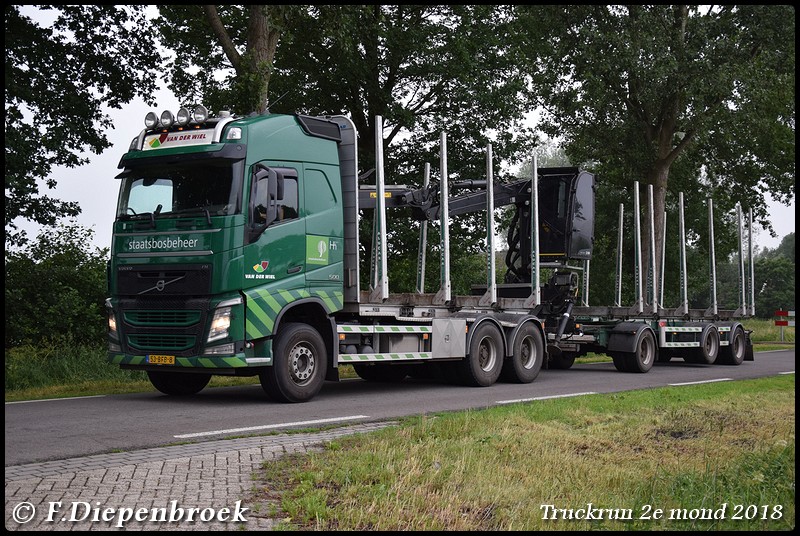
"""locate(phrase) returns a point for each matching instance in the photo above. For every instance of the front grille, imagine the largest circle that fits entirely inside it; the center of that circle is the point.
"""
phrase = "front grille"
(161, 343)
(167, 324)
(162, 318)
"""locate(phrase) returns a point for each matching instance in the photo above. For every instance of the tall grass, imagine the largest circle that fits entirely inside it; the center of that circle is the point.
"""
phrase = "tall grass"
(687, 451)
(57, 362)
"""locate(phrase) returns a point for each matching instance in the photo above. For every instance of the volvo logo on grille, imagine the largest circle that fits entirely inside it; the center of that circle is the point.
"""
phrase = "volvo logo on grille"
(162, 284)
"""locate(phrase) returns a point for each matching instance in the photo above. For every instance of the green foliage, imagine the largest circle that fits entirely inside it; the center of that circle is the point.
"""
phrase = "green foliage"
(56, 289)
(58, 78)
(62, 361)
(688, 98)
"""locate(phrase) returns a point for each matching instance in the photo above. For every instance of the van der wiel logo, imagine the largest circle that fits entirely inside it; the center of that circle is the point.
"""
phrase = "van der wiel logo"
(259, 270)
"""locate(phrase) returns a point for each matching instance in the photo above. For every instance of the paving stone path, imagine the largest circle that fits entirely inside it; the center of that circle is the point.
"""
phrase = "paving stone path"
(211, 482)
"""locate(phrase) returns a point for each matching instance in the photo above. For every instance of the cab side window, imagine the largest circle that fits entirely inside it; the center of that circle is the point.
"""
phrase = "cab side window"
(286, 203)
(287, 206)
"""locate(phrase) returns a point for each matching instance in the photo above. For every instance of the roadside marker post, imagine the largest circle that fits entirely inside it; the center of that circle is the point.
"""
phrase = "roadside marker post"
(784, 321)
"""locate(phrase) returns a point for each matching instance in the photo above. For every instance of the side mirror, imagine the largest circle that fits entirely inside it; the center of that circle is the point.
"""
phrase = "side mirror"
(268, 189)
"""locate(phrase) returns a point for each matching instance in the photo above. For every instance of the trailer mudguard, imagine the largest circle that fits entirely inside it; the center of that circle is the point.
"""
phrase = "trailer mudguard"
(623, 337)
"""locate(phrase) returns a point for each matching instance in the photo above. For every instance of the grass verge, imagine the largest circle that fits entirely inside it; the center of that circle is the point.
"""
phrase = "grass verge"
(711, 457)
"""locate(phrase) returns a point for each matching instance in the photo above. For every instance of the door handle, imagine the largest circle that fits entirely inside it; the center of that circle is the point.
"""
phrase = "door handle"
(294, 269)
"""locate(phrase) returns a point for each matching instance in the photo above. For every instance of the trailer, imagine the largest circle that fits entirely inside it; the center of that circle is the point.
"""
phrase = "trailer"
(236, 251)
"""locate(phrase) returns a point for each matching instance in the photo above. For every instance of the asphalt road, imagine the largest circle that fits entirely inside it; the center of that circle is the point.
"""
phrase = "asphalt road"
(39, 431)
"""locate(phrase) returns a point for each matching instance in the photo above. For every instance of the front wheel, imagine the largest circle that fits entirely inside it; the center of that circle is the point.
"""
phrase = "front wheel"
(178, 383)
(299, 363)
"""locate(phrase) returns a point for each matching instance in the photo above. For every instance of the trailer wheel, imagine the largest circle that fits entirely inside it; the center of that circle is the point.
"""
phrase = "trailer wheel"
(643, 356)
(178, 383)
(381, 372)
(483, 364)
(733, 354)
(526, 361)
(708, 351)
(298, 365)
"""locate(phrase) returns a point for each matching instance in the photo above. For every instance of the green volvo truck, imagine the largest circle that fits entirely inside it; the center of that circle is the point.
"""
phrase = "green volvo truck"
(236, 251)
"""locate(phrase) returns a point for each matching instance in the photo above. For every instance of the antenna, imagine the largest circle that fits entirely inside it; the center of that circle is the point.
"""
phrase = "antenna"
(266, 111)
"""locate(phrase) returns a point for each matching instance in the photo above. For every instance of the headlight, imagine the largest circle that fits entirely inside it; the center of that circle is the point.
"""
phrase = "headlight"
(151, 120)
(220, 324)
(184, 117)
(167, 119)
(112, 320)
(200, 114)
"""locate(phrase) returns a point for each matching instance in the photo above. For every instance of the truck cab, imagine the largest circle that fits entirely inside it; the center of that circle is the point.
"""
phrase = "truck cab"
(220, 224)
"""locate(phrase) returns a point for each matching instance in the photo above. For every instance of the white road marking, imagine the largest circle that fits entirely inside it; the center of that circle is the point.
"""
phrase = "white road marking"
(543, 398)
(789, 372)
(54, 399)
(268, 426)
(704, 381)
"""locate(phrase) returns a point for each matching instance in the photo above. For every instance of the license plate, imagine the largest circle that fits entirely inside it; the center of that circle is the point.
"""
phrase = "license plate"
(161, 359)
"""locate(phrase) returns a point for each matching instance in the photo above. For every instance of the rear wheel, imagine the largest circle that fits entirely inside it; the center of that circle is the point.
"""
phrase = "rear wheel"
(484, 362)
(708, 351)
(299, 364)
(178, 383)
(642, 357)
(733, 354)
(526, 361)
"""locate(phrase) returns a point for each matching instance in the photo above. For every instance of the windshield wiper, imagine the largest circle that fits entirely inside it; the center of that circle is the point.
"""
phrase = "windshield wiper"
(204, 210)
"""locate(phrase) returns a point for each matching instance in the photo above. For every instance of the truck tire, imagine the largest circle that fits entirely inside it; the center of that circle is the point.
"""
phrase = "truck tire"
(561, 360)
(733, 354)
(178, 383)
(381, 372)
(525, 362)
(299, 363)
(708, 351)
(482, 366)
(642, 358)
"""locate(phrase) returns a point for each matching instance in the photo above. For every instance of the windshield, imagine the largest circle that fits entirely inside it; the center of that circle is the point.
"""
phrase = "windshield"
(209, 187)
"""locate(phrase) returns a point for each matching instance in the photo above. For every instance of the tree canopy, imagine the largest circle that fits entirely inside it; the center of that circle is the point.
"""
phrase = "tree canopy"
(59, 77)
(696, 99)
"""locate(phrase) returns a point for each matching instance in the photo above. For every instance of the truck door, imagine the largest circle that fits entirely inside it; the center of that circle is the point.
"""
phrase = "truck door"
(276, 234)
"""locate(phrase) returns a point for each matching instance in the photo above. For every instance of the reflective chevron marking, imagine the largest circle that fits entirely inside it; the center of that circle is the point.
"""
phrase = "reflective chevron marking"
(383, 329)
(348, 358)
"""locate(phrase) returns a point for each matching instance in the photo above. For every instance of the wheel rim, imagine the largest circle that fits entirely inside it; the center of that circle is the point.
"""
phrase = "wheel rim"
(646, 351)
(487, 354)
(711, 345)
(302, 364)
(738, 345)
(527, 353)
